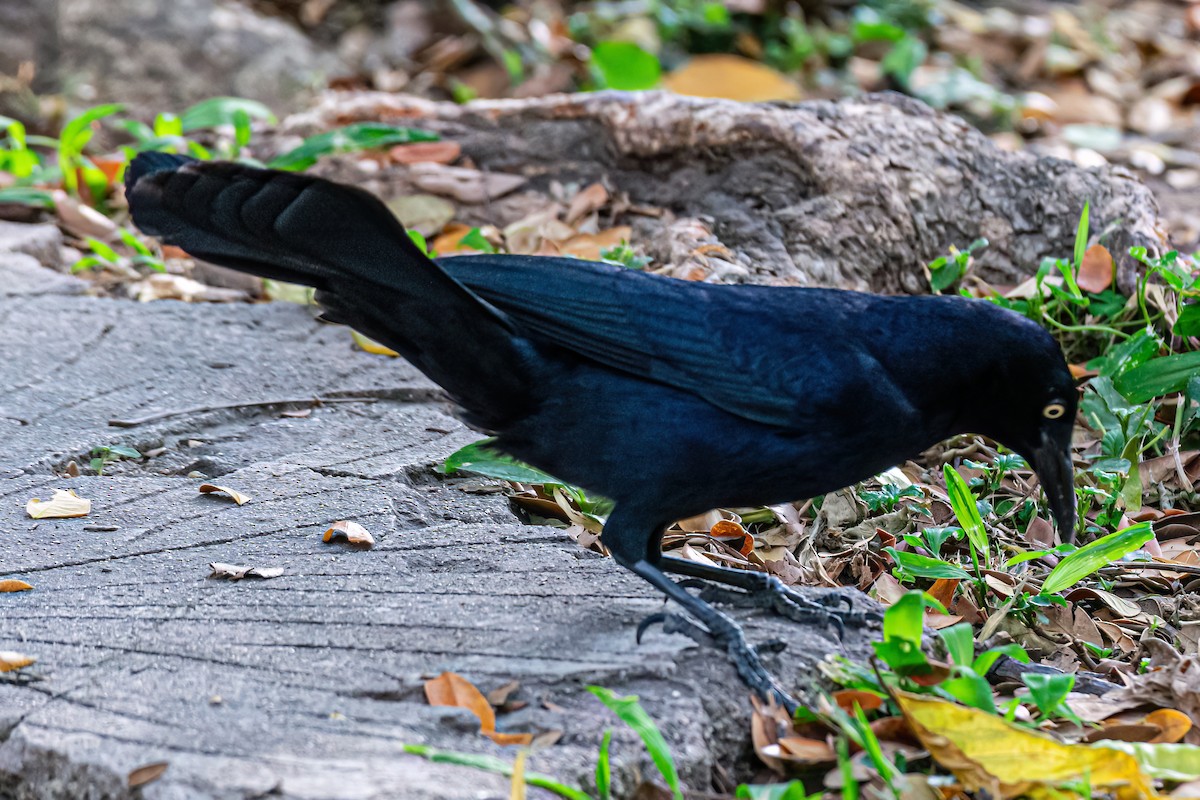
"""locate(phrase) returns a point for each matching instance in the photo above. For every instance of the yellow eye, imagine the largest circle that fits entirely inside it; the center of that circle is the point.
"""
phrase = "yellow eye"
(1054, 411)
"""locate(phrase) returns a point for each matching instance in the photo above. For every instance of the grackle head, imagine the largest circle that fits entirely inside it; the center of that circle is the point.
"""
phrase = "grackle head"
(1029, 405)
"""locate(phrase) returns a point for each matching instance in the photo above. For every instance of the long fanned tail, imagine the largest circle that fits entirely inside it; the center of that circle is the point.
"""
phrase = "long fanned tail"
(347, 244)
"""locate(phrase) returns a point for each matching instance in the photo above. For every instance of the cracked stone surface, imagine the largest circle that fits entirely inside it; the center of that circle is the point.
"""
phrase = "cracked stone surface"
(307, 685)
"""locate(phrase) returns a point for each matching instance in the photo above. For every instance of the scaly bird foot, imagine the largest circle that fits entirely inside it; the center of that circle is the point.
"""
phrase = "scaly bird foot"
(729, 637)
(772, 595)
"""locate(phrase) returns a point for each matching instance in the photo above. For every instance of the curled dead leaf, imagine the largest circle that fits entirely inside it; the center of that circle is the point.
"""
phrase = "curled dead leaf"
(351, 533)
(14, 585)
(212, 488)
(234, 572)
(63, 505)
(146, 774)
(11, 661)
(451, 689)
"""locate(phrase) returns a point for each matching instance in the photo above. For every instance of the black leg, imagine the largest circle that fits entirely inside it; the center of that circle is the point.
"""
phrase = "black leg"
(766, 591)
(719, 631)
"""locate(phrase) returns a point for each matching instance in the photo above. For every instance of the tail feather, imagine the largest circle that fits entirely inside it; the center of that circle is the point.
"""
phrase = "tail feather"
(350, 247)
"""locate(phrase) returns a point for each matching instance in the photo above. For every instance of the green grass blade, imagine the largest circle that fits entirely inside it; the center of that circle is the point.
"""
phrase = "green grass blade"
(488, 763)
(604, 768)
(630, 711)
(1095, 555)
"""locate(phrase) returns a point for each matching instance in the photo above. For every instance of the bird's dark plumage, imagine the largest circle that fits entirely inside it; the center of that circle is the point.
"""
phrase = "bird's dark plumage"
(669, 397)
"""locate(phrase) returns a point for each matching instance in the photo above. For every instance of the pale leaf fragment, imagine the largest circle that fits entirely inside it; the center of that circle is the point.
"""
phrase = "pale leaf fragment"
(11, 661)
(731, 77)
(14, 585)
(235, 572)
(369, 345)
(349, 532)
(237, 497)
(63, 505)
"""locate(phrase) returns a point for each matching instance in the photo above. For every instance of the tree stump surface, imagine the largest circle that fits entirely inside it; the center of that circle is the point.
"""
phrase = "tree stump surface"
(305, 685)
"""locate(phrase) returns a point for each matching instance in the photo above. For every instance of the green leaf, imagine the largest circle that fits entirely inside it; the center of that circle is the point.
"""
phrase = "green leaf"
(630, 711)
(960, 643)
(920, 566)
(965, 509)
(475, 239)
(488, 763)
(1188, 323)
(604, 769)
(1134, 351)
(103, 250)
(625, 66)
(971, 689)
(123, 451)
(1095, 555)
(1081, 240)
(223, 111)
(76, 133)
(986, 659)
(1048, 691)
(904, 620)
(792, 790)
(168, 125)
(359, 136)
(27, 197)
(1158, 377)
(904, 57)
(481, 459)
(132, 241)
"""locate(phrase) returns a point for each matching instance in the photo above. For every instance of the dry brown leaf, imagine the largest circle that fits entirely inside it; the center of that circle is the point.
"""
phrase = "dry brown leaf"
(442, 152)
(350, 532)
(589, 245)
(847, 699)
(1096, 270)
(587, 200)
(64, 505)
(463, 184)
(807, 751)
(147, 774)
(451, 689)
(237, 497)
(14, 585)
(424, 213)
(731, 77)
(943, 590)
(234, 572)
(499, 696)
(11, 661)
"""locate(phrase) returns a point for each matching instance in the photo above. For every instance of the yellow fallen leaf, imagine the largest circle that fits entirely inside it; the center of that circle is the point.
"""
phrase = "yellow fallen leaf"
(368, 345)
(987, 753)
(10, 661)
(14, 585)
(350, 532)
(63, 505)
(451, 689)
(731, 77)
(237, 497)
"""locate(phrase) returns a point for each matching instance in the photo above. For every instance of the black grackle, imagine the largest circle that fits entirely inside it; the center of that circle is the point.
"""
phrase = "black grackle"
(669, 397)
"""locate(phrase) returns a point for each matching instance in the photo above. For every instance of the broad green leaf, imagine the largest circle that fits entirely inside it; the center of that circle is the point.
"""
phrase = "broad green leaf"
(1048, 691)
(481, 459)
(970, 689)
(76, 133)
(965, 509)
(625, 66)
(920, 566)
(124, 452)
(1095, 555)
(1134, 351)
(1158, 377)
(358, 136)
(986, 659)
(904, 620)
(630, 711)
(960, 643)
(1188, 323)
(223, 111)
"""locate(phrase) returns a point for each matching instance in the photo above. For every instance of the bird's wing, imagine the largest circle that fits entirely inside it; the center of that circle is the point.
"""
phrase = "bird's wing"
(766, 354)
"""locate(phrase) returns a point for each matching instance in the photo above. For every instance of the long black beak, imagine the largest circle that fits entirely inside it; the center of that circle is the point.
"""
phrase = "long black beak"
(1052, 462)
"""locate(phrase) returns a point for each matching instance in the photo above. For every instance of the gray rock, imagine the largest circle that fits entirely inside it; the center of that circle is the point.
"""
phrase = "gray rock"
(43, 241)
(21, 275)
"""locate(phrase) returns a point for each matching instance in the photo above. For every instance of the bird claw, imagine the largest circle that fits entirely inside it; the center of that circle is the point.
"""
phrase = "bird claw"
(746, 658)
(785, 602)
